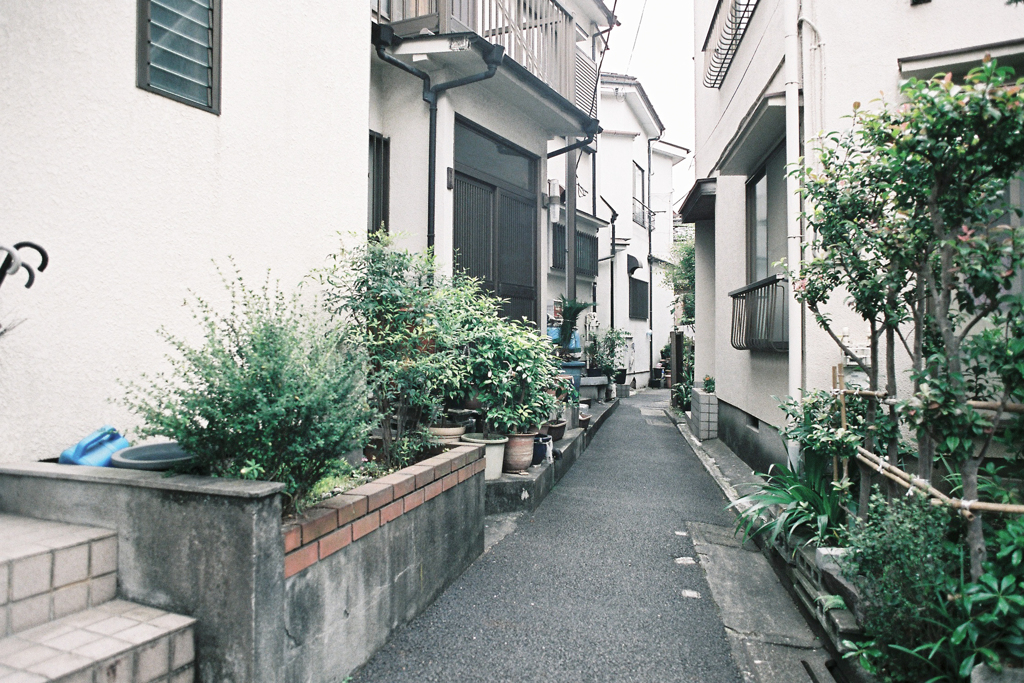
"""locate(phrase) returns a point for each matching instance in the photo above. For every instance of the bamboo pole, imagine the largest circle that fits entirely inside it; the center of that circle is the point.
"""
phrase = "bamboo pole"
(939, 498)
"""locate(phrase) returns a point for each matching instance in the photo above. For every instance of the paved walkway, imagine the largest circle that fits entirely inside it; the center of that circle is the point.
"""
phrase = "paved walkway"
(587, 588)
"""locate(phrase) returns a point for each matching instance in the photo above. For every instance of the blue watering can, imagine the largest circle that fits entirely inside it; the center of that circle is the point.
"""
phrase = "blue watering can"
(95, 449)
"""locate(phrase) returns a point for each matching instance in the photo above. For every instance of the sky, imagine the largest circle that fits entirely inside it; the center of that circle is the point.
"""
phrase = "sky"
(663, 61)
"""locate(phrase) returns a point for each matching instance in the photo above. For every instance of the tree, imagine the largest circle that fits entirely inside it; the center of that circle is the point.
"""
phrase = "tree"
(681, 274)
(909, 213)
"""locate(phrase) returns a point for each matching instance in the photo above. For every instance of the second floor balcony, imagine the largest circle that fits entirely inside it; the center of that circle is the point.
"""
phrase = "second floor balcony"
(539, 35)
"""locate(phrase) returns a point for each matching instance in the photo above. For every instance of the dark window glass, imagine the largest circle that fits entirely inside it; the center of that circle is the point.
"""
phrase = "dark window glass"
(586, 254)
(492, 157)
(379, 182)
(558, 246)
(637, 299)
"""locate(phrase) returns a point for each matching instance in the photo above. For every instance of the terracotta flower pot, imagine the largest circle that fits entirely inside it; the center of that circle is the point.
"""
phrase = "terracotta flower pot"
(584, 420)
(448, 434)
(556, 430)
(518, 452)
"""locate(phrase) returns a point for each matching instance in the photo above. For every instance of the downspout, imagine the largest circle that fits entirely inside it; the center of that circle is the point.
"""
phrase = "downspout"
(591, 128)
(384, 36)
(794, 233)
(611, 279)
(650, 264)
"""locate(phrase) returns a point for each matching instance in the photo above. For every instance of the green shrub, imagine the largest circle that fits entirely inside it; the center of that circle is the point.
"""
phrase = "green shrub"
(270, 393)
(385, 301)
(807, 505)
(605, 351)
(902, 563)
(513, 370)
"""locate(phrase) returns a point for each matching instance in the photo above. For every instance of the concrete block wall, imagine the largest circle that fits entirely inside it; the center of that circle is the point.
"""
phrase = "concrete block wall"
(369, 561)
(704, 413)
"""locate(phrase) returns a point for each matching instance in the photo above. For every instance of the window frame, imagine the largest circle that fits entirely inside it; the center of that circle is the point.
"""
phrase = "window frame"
(379, 149)
(142, 58)
(634, 299)
(751, 200)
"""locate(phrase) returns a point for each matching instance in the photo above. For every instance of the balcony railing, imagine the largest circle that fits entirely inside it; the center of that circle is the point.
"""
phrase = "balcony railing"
(760, 316)
(723, 39)
(642, 214)
(538, 34)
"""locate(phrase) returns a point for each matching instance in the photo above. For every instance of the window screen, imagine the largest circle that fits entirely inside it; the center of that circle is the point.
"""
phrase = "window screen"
(177, 55)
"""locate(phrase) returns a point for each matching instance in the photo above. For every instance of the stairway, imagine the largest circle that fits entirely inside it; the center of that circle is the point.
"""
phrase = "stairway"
(60, 619)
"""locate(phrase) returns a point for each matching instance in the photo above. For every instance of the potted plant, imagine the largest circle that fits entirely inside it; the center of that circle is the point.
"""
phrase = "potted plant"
(568, 339)
(605, 353)
(565, 395)
(513, 368)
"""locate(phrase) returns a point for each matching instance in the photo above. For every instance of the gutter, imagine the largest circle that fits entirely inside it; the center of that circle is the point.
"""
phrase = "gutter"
(383, 36)
(794, 233)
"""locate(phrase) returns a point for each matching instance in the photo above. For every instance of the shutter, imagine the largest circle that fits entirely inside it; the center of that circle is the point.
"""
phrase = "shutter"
(586, 82)
(472, 228)
(558, 246)
(586, 254)
(515, 255)
(180, 49)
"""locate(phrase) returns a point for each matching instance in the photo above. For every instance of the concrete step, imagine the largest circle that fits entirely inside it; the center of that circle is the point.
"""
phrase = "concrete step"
(49, 570)
(118, 641)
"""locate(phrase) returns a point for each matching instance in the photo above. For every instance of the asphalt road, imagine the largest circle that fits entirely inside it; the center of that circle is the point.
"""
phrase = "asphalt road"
(587, 588)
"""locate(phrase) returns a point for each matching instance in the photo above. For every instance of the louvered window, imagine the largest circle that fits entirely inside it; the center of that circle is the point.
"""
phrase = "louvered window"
(637, 299)
(178, 52)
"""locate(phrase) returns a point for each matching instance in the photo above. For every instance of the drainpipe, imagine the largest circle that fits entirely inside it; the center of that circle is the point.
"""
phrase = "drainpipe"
(650, 264)
(591, 128)
(384, 36)
(611, 279)
(794, 234)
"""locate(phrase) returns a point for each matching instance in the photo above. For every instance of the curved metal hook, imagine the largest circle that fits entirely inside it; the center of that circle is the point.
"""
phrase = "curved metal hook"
(14, 257)
(44, 258)
(31, 274)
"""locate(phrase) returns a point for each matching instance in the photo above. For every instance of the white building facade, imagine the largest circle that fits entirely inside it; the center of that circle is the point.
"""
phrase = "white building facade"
(771, 76)
(141, 144)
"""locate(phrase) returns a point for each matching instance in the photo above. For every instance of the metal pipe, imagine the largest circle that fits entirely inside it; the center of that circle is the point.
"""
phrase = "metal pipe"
(794, 240)
(650, 262)
(611, 279)
(591, 129)
(383, 37)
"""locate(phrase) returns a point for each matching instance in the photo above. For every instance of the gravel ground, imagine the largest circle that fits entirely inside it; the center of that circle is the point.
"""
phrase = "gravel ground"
(587, 587)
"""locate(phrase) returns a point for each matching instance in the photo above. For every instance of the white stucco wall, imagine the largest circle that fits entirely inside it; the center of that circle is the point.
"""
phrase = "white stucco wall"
(133, 194)
(854, 58)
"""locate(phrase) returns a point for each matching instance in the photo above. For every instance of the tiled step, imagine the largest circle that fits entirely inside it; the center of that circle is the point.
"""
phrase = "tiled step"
(49, 570)
(116, 642)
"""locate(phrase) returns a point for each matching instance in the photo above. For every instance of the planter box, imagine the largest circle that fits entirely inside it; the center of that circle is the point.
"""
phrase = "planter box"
(704, 414)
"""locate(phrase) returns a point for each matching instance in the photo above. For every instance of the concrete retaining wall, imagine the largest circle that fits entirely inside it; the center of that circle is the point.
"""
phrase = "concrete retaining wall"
(306, 602)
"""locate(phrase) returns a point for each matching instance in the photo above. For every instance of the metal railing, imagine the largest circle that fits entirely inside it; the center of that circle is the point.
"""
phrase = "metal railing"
(727, 29)
(538, 34)
(642, 214)
(760, 316)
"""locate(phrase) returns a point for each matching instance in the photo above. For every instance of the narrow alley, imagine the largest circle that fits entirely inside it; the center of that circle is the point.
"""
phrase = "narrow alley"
(601, 583)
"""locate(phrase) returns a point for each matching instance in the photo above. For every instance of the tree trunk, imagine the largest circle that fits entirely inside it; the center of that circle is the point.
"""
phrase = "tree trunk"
(975, 533)
(892, 449)
(869, 440)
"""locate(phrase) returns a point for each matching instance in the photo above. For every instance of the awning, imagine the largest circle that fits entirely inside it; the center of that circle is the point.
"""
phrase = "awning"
(699, 204)
(632, 264)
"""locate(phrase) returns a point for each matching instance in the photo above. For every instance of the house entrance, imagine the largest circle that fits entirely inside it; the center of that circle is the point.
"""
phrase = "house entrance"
(495, 218)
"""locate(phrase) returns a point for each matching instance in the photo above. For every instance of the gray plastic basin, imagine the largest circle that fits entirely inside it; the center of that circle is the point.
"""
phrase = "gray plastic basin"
(157, 456)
